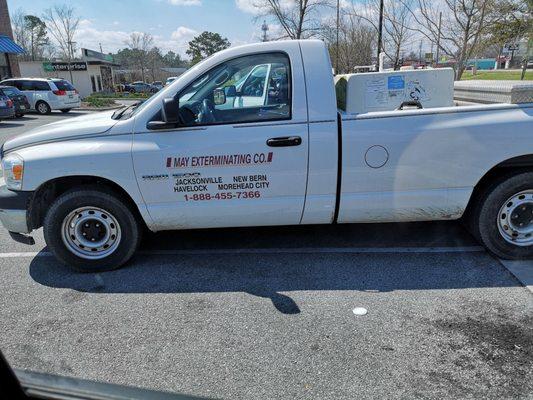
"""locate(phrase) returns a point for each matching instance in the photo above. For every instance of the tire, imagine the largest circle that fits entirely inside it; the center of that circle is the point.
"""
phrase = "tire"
(66, 110)
(73, 208)
(503, 218)
(19, 115)
(43, 108)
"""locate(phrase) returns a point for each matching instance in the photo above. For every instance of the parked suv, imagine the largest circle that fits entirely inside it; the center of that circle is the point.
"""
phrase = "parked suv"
(47, 94)
(20, 101)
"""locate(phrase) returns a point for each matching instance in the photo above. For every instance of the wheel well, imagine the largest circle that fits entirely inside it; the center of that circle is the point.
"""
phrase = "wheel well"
(508, 167)
(48, 192)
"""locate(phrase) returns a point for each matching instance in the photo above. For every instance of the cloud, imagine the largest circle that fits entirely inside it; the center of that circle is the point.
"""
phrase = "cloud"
(183, 33)
(185, 2)
(248, 6)
(258, 7)
(88, 36)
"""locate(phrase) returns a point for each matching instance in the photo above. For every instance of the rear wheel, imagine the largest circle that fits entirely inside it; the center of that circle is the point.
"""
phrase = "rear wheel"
(91, 230)
(504, 218)
(66, 110)
(43, 108)
(19, 115)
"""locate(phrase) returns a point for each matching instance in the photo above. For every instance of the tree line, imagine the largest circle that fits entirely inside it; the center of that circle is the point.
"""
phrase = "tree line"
(458, 29)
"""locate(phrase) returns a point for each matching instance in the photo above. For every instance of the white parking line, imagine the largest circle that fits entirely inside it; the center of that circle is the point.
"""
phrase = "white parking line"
(300, 250)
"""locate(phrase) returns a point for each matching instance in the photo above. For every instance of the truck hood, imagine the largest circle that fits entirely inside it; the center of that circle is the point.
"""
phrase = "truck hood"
(70, 128)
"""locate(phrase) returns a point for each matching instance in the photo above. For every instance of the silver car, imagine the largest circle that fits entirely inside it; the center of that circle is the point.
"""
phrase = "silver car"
(47, 94)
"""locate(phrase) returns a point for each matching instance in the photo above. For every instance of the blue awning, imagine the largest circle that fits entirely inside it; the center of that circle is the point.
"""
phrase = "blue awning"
(9, 46)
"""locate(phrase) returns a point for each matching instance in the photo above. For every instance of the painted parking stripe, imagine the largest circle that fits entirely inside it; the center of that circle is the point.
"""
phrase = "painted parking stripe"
(301, 250)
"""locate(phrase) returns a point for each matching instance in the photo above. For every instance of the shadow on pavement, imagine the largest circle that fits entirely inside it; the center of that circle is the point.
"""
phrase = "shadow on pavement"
(8, 123)
(270, 275)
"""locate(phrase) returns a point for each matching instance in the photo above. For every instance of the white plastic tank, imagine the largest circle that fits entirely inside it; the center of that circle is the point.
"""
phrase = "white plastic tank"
(386, 91)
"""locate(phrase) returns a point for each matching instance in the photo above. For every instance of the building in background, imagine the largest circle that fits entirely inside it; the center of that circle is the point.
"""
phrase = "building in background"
(9, 66)
(91, 74)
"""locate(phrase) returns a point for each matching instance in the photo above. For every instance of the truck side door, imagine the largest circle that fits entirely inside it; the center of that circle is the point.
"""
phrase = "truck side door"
(228, 165)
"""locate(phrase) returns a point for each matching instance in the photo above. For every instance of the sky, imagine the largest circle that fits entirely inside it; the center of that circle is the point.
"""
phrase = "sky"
(173, 23)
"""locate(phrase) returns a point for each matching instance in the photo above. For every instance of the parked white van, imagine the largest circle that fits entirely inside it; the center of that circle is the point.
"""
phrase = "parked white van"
(47, 94)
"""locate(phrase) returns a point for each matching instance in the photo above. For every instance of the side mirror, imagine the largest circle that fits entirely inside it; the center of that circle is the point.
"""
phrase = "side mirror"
(230, 91)
(169, 115)
(219, 97)
(170, 111)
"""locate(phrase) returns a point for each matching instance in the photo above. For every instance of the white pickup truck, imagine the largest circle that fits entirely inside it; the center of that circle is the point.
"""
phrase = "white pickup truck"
(224, 147)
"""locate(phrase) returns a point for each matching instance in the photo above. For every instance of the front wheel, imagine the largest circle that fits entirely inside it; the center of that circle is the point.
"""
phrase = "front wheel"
(66, 110)
(90, 230)
(505, 217)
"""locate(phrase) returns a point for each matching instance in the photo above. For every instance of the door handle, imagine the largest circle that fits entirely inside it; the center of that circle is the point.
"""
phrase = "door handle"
(285, 141)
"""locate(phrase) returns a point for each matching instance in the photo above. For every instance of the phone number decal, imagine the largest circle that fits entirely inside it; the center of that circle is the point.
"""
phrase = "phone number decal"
(222, 196)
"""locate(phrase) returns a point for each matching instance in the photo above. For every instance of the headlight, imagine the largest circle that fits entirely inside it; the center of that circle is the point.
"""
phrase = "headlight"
(13, 166)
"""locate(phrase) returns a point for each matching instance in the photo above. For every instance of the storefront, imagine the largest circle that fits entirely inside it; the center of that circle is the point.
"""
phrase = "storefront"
(8, 52)
(92, 74)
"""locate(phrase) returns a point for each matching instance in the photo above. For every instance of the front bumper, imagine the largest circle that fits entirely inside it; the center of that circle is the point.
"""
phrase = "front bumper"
(13, 209)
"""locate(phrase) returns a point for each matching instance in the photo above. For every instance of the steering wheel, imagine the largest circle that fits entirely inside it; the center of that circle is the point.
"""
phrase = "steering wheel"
(207, 112)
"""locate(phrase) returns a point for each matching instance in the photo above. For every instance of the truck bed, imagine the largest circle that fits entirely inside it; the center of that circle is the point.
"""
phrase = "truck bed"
(424, 167)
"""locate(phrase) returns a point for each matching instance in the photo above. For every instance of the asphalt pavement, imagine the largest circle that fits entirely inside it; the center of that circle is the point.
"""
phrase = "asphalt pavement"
(267, 313)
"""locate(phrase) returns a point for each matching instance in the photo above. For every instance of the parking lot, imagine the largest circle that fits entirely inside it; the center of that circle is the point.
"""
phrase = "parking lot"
(268, 312)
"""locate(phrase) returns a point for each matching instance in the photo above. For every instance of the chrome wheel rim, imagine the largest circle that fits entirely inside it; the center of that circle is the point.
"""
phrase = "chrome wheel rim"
(91, 233)
(42, 108)
(515, 219)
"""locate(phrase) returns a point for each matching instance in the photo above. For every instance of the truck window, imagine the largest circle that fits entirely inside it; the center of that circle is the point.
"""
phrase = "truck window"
(251, 88)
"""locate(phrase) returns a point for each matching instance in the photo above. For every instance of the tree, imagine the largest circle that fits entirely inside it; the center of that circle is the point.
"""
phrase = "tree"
(396, 24)
(356, 42)
(299, 19)
(140, 45)
(205, 44)
(464, 23)
(512, 21)
(174, 60)
(37, 36)
(155, 62)
(20, 33)
(62, 23)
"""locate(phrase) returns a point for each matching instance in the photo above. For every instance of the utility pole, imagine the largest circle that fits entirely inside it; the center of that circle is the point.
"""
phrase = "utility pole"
(420, 52)
(337, 40)
(100, 44)
(264, 28)
(438, 38)
(380, 29)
